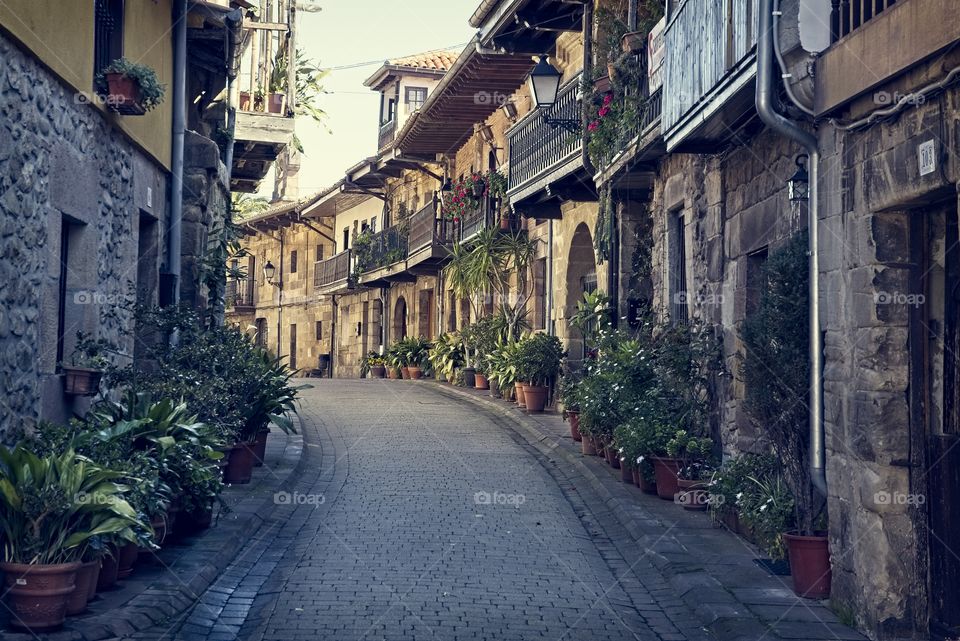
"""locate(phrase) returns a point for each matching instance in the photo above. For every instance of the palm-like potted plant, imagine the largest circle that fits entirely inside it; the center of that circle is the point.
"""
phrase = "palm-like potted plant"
(538, 362)
(417, 351)
(50, 508)
(130, 88)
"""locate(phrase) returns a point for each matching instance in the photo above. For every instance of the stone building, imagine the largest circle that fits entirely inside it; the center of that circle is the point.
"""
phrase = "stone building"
(88, 196)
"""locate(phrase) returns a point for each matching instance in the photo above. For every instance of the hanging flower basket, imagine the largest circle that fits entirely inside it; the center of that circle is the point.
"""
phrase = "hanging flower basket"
(129, 88)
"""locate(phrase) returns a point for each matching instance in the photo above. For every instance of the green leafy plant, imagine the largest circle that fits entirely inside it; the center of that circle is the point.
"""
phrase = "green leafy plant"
(91, 353)
(446, 355)
(52, 507)
(151, 91)
(538, 359)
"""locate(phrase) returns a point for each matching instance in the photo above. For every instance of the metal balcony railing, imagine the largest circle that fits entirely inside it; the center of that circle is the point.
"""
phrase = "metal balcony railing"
(427, 229)
(536, 148)
(848, 15)
(388, 131)
(386, 247)
(240, 293)
(332, 270)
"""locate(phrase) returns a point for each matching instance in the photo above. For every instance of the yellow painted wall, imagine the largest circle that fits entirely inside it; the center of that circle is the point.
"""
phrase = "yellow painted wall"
(60, 34)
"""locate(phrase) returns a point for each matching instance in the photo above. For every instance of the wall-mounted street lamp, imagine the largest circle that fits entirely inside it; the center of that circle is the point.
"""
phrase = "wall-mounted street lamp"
(544, 84)
(798, 187)
(269, 272)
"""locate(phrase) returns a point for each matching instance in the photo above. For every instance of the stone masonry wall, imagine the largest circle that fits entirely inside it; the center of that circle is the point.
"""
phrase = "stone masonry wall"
(61, 160)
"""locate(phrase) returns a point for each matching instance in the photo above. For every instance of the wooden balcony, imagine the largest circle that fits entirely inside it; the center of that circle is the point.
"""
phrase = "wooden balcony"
(709, 73)
(429, 241)
(541, 154)
(240, 296)
(265, 94)
(334, 274)
(388, 132)
(385, 260)
(849, 15)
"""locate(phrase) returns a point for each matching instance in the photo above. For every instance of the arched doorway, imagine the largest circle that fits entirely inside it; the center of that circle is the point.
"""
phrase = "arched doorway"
(400, 319)
(581, 277)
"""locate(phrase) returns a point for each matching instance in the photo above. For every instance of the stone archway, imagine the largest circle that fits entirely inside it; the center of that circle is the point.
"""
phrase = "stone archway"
(581, 277)
(400, 319)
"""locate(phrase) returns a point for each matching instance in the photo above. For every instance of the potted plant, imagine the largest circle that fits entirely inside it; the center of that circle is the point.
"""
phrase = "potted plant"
(130, 88)
(373, 364)
(569, 393)
(416, 353)
(683, 449)
(51, 507)
(775, 367)
(89, 360)
(538, 362)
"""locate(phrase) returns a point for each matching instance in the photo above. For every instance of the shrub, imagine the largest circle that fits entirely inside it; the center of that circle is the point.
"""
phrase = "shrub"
(538, 359)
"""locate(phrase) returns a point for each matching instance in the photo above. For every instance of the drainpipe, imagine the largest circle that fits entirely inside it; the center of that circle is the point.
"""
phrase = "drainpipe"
(280, 299)
(586, 110)
(766, 64)
(548, 321)
(333, 334)
(176, 155)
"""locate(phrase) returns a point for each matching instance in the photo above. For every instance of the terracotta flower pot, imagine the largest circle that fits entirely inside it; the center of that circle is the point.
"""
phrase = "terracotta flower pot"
(586, 446)
(626, 474)
(665, 470)
(393, 374)
(635, 473)
(809, 565)
(37, 594)
(535, 397)
(404, 372)
(480, 382)
(633, 41)
(613, 456)
(124, 95)
(494, 389)
(519, 392)
(647, 487)
(126, 559)
(240, 468)
(275, 103)
(414, 373)
(81, 381)
(692, 495)
(246, 100)
(600, 446)
(259, 446)
(574, 418)
(107, 578)
(86, 583)
(378, 371)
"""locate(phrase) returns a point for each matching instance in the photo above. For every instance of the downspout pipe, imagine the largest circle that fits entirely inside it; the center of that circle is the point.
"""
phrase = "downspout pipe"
(766, 64)
(176, 155)
(586, 110)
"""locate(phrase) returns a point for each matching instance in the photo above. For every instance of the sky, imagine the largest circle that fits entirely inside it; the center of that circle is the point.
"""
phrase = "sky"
(350, 32)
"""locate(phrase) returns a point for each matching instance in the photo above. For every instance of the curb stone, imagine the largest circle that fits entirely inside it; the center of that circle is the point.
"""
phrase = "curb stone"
(716, 604)
(191, 568)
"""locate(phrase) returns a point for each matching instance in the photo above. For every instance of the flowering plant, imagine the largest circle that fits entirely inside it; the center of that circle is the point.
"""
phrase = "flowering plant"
(467, 193)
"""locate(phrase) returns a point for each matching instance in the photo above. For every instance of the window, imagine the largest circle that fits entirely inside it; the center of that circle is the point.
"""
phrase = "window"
(391, 110)
(415, 97)
(108, 33)
(346, 239)
(319, 330)
(293, 262)
(678, 269)
(319, 253)
(373, 225)
(293, 347)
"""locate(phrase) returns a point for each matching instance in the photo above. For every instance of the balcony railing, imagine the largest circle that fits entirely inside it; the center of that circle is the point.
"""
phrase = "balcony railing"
(388, 132)
(847, 15)
(386, 247)
(267, 80)
(427, 229)
(536, 148)
(239, 293)
(482, 217)
(705, 41)
(332, 270)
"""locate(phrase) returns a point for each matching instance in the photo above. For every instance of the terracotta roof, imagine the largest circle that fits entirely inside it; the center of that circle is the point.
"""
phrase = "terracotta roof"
(439, 60)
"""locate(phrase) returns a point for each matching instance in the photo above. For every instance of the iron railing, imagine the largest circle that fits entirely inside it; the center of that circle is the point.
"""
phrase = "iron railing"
(848, 15)
(386, 247)
(427, 229)
(240, 293)
(537, 148)
(388, 132)
(332, 270)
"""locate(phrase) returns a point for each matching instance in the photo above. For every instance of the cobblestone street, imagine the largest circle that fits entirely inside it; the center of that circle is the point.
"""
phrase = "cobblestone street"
(416, 516)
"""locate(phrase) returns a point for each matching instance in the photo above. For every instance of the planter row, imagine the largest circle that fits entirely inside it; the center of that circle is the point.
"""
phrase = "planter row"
(41, 596)
(532, 398)
(809, 556)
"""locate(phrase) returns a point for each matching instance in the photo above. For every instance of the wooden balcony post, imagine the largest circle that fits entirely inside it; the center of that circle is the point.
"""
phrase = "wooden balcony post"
(292, 58)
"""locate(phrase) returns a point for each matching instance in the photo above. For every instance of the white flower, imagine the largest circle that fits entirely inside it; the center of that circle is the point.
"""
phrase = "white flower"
(763, 507)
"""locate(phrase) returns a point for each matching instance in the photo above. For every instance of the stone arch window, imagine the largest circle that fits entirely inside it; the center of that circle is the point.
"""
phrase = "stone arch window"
(581, 277)
(400, 319)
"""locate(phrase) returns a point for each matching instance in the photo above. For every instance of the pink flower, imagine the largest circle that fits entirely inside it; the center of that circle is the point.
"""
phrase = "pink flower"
(607, 99)
(603, 111)
(593, 126)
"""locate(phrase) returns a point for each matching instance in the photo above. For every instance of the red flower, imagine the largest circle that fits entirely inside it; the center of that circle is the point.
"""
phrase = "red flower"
(603, 111)
(593, 126)
(607, 99)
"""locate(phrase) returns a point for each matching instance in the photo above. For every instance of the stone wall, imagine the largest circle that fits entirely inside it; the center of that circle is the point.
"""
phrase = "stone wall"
(63, 162)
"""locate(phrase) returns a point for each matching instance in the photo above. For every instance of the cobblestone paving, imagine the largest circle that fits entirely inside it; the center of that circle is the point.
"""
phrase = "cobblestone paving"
(416, 516)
